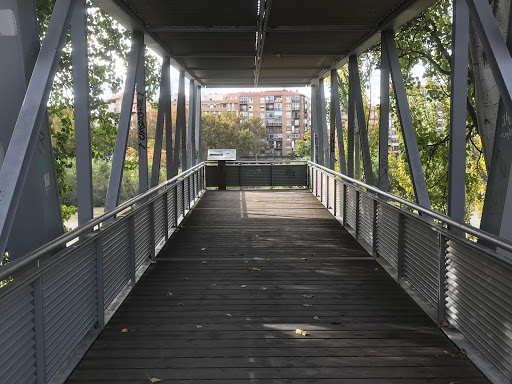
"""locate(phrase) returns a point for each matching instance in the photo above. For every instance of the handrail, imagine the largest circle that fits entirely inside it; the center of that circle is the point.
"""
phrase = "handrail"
(31, 257)
(505, 244)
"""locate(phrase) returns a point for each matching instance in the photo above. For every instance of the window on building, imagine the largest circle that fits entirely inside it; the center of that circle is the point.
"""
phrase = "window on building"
(262, 107)
(288, 145)
(288, 122)
(251, 114)
(289, 107)
(262, 99)
(250, 107)
(288, 98)
(288, 129)
(288, 114)
(262, 114)
(251, 99)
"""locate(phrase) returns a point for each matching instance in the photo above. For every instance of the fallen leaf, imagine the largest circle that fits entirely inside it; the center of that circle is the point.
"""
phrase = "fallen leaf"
(228, 314)
(308, 296)
(313, 254)
(253, 269)
(246, 262)
(170, 293)
(376, 269)
(301, 332)
(257, 236)
(199, 326)
(268, 259)
(203, 249)
(124, 330)
(155, 380)
(316, 318)
(153, 262)
(263, 288)
(204, 262)
(304, 258)
(214, 285)
(445, 323)
(243, 286)
(307, 305)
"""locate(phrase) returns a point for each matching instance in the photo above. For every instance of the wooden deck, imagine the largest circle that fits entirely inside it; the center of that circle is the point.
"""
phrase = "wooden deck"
(226, 324)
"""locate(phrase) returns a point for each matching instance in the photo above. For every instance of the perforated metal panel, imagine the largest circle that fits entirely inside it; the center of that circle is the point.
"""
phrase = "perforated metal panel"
(289, 175)
(17, 335)
(142, 236)
(171, 198)
(255, 176)
(339, 200)
(159, 218)
(351, 207)
(180, 199)
(116, 264)
(479, 302)
(70, 304)
(366, 218)
(212, 176)
(332, 197)
(232, 175)
(387, 234)
(421, 259)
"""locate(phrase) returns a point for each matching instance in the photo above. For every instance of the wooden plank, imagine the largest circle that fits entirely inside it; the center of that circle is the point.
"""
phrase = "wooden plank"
(363, 328)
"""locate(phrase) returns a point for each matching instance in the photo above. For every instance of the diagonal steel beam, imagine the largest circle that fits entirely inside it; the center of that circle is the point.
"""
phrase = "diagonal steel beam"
(314, 124)
(323, 121)
(260, 38)
(458, 112)
(23, 140)
(180, 135)
(160, 119)
(142, 121)
(197, 126)
(116, 173)
(82, 112)
(191, 123)
(336, 111)
(361, 123)
(404, 114)
(384, 119)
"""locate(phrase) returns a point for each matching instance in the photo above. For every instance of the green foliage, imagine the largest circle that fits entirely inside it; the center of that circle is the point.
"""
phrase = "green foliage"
(303, 147)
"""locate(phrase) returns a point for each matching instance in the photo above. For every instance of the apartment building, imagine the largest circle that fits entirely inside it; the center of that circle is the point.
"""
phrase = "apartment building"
(285, 114)
(114, 104)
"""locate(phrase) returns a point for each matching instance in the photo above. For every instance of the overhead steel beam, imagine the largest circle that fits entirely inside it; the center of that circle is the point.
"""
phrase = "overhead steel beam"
(404, 114)
(116, 173)
(361, 121)
(180, 136)
(384, 120)
(458, 112)
(250, 28)
(249, 54)
(160, 122)
(323, 122)
(142, 121)
(260, 38)
(228, 68)
(23, 142)
(336, 114)
(82, 112)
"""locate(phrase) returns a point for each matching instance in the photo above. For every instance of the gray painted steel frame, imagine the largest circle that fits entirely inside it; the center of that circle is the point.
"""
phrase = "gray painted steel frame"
(17, 159)
(458, 111)
(116, 174)
(363, 132)
(336, 123)
(384, 119)
(323, 121)
(181, 133)
(197, 128)
(408, 134)
(162, 107)
(351, 114)
(191, 123)
(82, 112)
(142, 125)
(314, 124)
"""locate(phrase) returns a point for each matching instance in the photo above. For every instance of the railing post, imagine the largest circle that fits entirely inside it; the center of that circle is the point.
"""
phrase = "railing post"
(327, 191)
(39, 331)
(321, 187)
(400, 256)
(183, 196)
(441, 280)
(357, 214)
(335, 195)
(271, 168)
(100, 293)
(166, 213)
(176, 205)
(374, 239)
(316, 182)
(344, 209)
(152, 228)
(188, 192)
(131, 231)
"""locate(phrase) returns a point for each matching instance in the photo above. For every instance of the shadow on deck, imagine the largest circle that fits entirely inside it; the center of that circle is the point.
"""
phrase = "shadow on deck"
(226, 324)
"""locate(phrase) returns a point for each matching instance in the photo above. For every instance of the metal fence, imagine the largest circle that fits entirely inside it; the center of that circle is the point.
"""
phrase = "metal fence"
(60, 294)
(469, 285)
(259, 174)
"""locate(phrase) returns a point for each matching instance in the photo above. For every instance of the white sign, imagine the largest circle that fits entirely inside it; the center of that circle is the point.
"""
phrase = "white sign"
(221, 154)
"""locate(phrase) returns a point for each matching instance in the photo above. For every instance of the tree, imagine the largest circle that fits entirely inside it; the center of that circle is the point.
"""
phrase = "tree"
(303, 147)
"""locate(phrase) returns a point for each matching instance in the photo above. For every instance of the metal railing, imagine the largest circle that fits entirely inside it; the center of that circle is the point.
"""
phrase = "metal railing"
(468, 285)
(60, 294)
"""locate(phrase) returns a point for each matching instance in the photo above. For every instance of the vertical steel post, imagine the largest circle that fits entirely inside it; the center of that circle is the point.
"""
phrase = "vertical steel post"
(332, 128)
(100, 292)
(351, 124)
(404, 113)
(27, 134)
(176, 205)
(82, 112)
(314, 125)
(323, 122)
(197, 135)
(161, 116)
(141, 119)
(336, 111)
(180, 127)
(169, 151)
(191, 123)
(441, 290)
(39, 331)
(335, 197)
(344, 208)
(458, 112)
(166, 213)
(116, 173)
(361, 123)
(384, 119)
